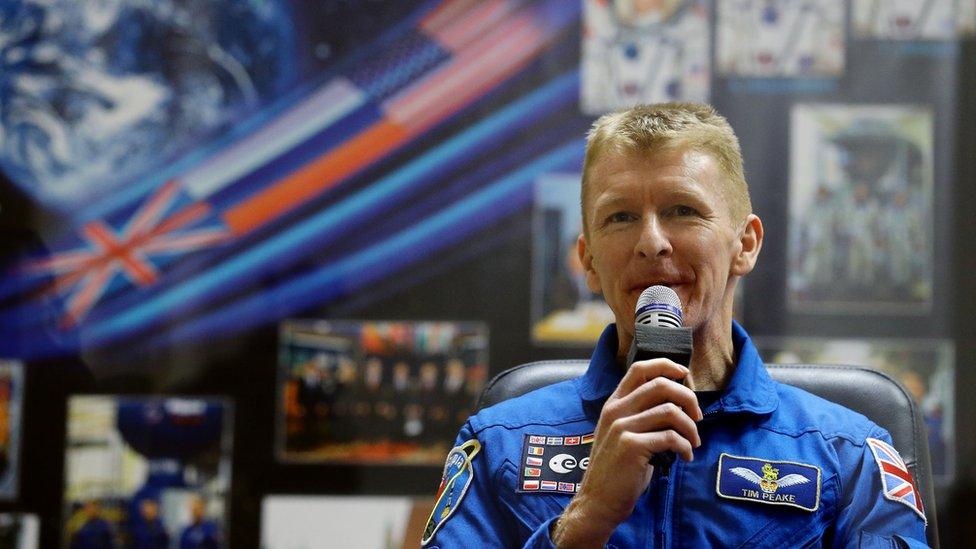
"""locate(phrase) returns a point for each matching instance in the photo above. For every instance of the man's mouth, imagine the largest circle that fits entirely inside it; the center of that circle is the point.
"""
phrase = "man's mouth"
(643, 286)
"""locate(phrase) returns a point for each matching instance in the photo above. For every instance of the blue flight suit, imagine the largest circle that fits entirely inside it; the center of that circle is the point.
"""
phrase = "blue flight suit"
(96, 533)
(838, 503)
(146, 534)
(203, 535)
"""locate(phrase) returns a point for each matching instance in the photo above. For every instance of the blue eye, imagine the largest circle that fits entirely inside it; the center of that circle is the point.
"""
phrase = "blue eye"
(682, 211)
(620, 217)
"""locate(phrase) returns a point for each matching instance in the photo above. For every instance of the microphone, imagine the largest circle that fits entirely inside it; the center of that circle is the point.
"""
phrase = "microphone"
(658, 333)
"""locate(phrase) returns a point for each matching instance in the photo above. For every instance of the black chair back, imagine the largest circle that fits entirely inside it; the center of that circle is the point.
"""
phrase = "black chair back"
(872, 393)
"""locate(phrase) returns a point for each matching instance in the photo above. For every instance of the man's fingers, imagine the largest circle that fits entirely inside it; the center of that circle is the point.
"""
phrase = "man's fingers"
(652, 393)
(669, 440)
(645, 370)
(659, 418)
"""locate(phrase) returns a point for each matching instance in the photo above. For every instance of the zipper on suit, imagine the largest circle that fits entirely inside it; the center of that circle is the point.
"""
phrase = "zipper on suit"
(665, 502)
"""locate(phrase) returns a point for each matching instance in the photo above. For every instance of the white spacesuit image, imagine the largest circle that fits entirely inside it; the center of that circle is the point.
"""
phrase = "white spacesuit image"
(910, 19)
(861, 238)
(644, 51)
(780, 38)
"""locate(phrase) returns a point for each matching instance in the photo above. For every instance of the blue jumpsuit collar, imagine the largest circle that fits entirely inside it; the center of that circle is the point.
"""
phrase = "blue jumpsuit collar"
(604, 374)
(750, 389)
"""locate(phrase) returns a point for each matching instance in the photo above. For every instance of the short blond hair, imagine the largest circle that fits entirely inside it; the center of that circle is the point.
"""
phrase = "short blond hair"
(646, 129)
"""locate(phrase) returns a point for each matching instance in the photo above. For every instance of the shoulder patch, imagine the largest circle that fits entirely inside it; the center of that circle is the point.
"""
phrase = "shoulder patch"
(457, 476)
(553, 463)
(766, 481)
(896, 481)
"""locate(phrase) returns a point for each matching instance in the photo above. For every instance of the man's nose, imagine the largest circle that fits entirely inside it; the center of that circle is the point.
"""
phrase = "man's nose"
(654, 240)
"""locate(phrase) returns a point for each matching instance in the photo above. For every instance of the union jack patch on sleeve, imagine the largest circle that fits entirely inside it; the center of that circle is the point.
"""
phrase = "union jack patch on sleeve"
(896, 481)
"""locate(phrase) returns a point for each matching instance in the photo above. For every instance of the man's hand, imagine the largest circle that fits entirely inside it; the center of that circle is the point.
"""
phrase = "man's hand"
(650, 412)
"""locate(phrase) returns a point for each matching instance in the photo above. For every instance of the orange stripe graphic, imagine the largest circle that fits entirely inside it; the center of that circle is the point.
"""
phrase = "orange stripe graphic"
(316, 177)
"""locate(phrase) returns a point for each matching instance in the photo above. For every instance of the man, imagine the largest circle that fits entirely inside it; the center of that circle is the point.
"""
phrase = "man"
(201, 532)
(148, 530)
(95, 532)
(760, 464)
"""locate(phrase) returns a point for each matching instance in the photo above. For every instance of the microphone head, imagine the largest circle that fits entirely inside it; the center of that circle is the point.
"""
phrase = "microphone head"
(659, 306)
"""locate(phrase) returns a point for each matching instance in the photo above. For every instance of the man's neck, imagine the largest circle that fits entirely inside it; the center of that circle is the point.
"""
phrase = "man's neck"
(713, 359)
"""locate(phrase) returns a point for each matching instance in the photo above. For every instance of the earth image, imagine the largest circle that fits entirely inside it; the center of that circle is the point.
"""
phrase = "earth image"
(96, 93)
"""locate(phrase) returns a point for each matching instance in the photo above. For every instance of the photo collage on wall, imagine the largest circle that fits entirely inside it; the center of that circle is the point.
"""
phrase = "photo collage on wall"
(147, 471)
(354, 521)
(861, 209)
(377, 392)
(925, 367)
(11, 410)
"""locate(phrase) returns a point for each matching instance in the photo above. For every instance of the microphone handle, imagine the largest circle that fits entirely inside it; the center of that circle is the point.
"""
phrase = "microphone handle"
(656, 342)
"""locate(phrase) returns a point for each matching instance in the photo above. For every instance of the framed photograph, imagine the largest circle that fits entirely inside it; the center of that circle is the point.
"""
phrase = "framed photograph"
(860, 217)
(11, 410)
(780, 38)
(147, 471)
(363, 392)
(644, 52)
(924, 366)
(909, 19)
(345, 521)
(564, 310)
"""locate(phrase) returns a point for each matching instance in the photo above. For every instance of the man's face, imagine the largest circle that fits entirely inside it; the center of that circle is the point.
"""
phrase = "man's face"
(149, 509)
(197, 509)
(660, 219)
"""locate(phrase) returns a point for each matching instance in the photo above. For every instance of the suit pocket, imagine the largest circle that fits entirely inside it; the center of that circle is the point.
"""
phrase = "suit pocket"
(785, 528)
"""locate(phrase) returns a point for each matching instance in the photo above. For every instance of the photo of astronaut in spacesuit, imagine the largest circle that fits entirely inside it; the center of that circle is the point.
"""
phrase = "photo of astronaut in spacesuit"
(860, 209)
(644, 51)
(780, 38)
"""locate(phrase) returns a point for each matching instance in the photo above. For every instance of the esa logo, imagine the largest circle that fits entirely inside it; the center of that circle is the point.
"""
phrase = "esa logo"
(564, 463)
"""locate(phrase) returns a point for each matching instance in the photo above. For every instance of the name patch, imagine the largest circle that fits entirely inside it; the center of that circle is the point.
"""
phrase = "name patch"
(553, 463)
(767, 481)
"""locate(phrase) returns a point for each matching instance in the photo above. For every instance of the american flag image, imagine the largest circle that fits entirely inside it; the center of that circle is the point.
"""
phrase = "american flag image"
(896, 481)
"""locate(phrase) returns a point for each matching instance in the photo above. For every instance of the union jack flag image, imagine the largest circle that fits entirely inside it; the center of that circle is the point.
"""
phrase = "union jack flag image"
(896, 481)
(163, 225)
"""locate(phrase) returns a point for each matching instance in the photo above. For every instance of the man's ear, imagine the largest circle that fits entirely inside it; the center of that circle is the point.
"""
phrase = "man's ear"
(750, 242)
(586, 259)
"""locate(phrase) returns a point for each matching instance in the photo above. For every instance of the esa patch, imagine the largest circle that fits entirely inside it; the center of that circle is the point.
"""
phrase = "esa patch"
(454, 484)
(770, 482)
(553, 463)
(896, 480)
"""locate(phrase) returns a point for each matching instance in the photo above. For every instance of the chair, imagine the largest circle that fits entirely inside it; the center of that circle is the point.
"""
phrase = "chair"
(872, 393)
